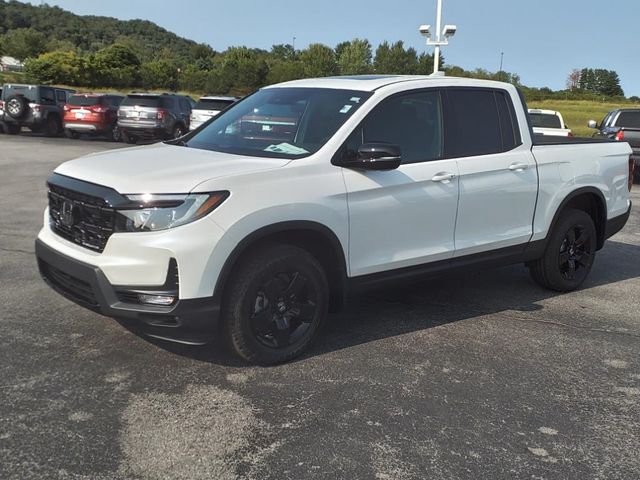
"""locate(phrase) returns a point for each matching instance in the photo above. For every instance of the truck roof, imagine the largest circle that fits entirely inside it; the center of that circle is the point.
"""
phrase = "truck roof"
(369, 83)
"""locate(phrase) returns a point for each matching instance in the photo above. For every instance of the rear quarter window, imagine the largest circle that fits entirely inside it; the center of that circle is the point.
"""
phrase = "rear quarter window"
(545, 120)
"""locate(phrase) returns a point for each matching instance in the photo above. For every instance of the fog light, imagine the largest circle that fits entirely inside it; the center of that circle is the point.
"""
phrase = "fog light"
(164, 300)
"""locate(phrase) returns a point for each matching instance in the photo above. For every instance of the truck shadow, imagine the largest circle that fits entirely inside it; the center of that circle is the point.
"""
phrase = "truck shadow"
(435, 303)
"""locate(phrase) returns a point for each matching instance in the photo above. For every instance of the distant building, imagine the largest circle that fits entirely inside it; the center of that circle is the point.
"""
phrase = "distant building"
(10, 64)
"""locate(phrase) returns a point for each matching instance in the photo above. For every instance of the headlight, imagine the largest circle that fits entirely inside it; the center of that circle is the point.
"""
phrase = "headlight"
(149, 213)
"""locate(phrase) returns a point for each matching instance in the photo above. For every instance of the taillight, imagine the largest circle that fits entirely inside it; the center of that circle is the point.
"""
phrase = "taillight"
(162, 114)
(620, 135)
(632, 169)
(1, 105)
(67, 107)
(98, 109)
(570, 134)
(35, 107)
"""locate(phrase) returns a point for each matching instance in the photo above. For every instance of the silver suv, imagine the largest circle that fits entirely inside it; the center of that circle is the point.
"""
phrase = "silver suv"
(208, 107)
(37, 107)
(154, 115)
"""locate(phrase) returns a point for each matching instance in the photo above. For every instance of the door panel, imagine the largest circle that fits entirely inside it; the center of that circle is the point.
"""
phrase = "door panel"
(402, 217)
(497, 201)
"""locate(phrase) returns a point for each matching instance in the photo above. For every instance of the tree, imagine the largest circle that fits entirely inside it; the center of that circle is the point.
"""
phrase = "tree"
(573, 80)
(23, 43)
(161, 74)
(318, 61)
(355, 58)
(114, 66)
(600, 81)
(425, 64)
(395, 59)
(283, 52)
(283, 71)
(56, 67)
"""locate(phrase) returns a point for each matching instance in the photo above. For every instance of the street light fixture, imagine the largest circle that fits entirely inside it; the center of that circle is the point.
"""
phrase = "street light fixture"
(442, 36)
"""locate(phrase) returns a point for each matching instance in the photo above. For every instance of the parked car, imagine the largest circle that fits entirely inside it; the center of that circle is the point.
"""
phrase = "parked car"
(208, 107)
(549, 122)
(622, 125)
(153, 115)
(37, 107)
(94, 114)
(386, 178)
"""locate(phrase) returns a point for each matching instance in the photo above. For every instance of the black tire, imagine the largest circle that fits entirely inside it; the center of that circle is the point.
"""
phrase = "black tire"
(71, 134)
(178, 131)
(114, 134)
(126, 138)
(12, 128)
(570, 253)
(16, 106)
(275, 303)
(52, 126)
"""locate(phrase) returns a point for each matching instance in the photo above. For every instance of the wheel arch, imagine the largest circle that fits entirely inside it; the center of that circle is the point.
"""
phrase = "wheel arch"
(314, 237)
(590, 200)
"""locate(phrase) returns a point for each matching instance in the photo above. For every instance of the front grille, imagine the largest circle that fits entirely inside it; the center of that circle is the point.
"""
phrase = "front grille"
(70, 286)
(80, 218)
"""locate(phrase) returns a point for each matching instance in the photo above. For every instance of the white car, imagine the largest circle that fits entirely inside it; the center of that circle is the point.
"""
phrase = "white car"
(548, 123)
(208, 107)
(263, 221)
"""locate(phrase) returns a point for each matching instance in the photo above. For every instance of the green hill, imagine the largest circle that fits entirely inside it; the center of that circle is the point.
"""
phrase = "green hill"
(52, 28)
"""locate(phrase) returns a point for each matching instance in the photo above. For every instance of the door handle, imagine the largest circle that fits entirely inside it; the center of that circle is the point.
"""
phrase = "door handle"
(518, 167)
(443, 177)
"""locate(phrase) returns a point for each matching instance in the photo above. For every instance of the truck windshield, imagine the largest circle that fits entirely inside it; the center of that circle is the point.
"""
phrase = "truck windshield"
(545, 120)
(280, 122)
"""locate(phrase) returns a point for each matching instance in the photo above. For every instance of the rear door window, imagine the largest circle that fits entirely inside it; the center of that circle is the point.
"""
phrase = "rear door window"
(61, 96)
(47, 95)
(628, 119)
(472, 123)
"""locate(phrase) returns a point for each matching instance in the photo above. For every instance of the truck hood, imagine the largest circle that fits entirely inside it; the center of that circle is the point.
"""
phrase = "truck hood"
(161, 168)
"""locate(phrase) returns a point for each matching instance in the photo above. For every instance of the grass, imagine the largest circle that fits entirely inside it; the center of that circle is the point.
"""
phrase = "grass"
(577, 113)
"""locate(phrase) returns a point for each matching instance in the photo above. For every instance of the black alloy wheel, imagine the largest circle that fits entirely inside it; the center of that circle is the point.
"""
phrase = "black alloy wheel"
(569, 254)
(285, 306)
(275, 303)
(576, 253)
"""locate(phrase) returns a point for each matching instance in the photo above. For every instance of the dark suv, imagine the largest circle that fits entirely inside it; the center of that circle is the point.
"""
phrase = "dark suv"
(153, 115)
(38, 107)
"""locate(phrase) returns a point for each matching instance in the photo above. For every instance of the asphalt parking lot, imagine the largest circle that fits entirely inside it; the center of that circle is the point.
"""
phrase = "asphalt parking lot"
(487, 376)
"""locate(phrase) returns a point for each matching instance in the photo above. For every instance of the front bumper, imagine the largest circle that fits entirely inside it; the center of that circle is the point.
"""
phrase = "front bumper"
(192, 321)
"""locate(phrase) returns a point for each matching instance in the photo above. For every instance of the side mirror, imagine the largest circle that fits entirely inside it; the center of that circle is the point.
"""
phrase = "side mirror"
(376, 156)
(592, 124)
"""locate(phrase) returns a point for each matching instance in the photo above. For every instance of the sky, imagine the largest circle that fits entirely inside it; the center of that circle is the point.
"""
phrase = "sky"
(542, 40)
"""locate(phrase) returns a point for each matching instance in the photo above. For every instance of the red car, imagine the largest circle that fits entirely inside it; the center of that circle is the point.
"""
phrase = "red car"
(92, 113)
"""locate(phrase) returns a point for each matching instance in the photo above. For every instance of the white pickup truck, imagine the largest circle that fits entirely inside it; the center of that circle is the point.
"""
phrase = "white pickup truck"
(548, 122)
(260, 223)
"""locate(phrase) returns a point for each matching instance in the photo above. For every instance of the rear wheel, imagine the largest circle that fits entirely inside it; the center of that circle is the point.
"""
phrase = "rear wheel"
(569, 255)
(126, 138)
(277, 300)
(71, 134)
(178, 131)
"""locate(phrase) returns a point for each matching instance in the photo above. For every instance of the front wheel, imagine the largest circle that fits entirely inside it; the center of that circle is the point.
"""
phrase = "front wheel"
(275, 304)
(569, 255)
(53, 126)
(178, 131)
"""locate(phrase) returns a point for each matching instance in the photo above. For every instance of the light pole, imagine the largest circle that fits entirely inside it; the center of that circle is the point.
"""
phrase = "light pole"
(501, 59)
(447, 32)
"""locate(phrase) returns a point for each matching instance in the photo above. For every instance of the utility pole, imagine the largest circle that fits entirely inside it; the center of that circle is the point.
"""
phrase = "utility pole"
(447, 32)
(294, 44)
(501, 59)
